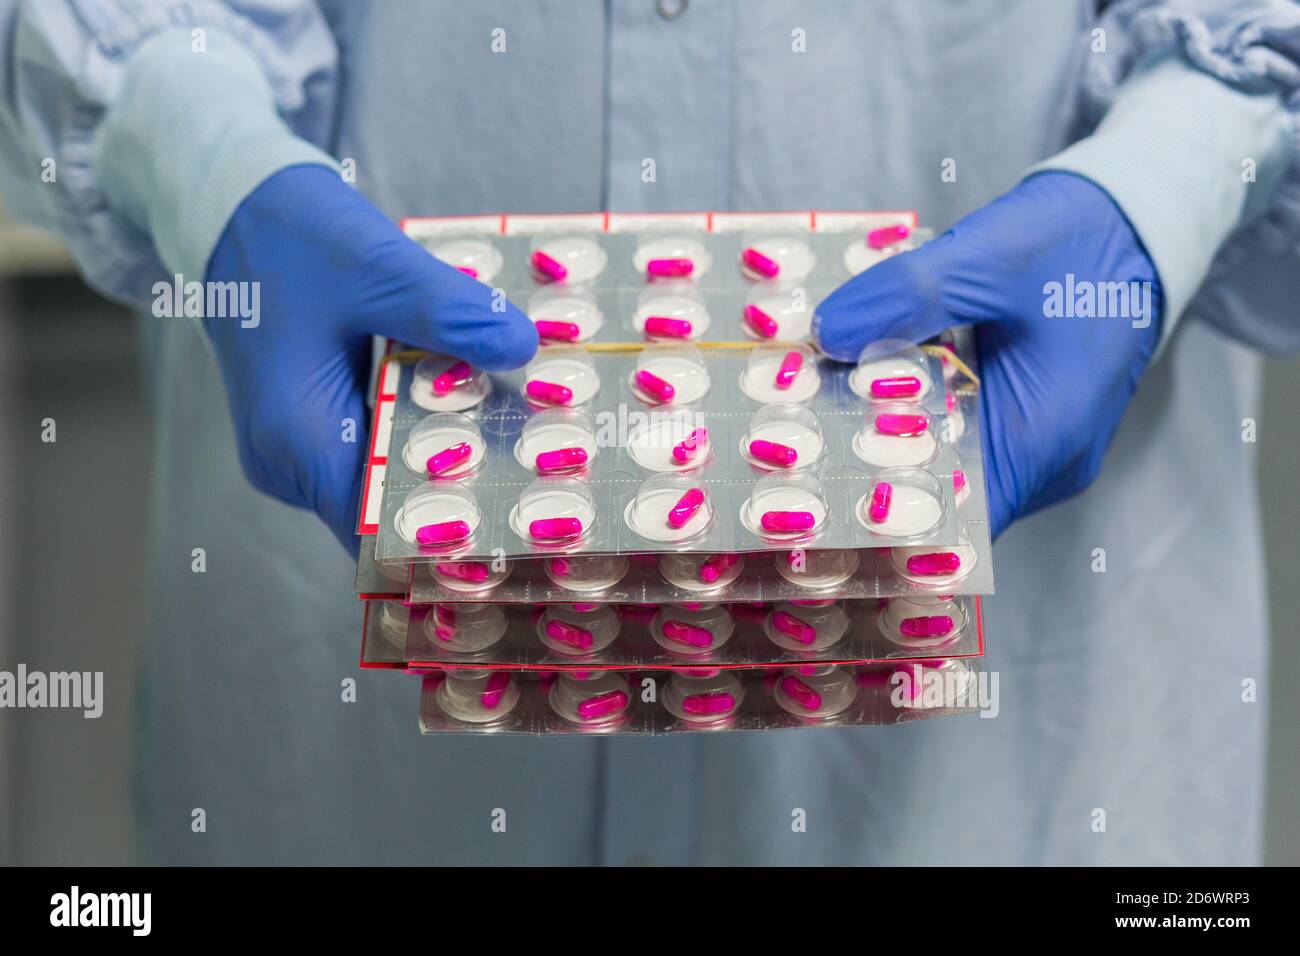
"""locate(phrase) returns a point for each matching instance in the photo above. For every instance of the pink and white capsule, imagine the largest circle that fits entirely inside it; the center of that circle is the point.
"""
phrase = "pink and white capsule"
(447, 459)
(561, 459)
(444, 532)
(881, 497)
(685, 508)
(669, 268)
(654, 386)
(790, 366)
(689, 447)
(551, 268)
(755, 261)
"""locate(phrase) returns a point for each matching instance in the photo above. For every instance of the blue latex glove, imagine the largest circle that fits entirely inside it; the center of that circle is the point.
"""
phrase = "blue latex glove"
(1054, 388)
(333, 271)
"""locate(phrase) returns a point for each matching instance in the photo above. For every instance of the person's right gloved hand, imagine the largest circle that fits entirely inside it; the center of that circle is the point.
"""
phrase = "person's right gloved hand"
(333, 271)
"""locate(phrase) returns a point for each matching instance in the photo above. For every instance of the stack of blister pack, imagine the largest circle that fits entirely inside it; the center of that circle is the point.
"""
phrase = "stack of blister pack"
(679, 516)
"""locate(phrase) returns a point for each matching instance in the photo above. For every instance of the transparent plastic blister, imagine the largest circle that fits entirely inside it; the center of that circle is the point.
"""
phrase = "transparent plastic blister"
(383, 634)
(697, 699)
(589, 636)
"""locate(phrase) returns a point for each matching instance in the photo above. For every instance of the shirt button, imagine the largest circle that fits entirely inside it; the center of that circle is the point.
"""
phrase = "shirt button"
(671, 9)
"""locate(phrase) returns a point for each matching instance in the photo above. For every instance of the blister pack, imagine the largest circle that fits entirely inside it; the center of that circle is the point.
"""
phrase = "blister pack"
(698, 699)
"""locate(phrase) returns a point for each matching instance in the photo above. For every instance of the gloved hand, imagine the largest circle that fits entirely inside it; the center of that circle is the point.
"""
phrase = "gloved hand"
(332, 272)
(1054, 388)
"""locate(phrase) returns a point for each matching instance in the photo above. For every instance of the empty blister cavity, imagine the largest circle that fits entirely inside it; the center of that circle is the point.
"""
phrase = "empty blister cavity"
(675, 441)
(922, 623)
(876, 245)
(554, 511)
(936, 684)
(786, 507)
(394, 617)
(591, 699)
(478, 696)
(470, 577)
(815, 569)
(670, 311)
(777, 311)
(891, 370)
(438, 516)
(669, 508)
(578, 630)
(783, 437)
(670, 375)
(780, 374)
(902, 503)
(556, 441)
(560, 377)
(672, 257)
(692, 630)
(444, 445)
(701, 572)
(815, 693)
(568, 259)
(586, 573)
(477, 258)
(806, 627)
(441, 383)
(703, 696)
(775, 256)
(465, 628)
(564, 315)
(933, 565)
(896, 434)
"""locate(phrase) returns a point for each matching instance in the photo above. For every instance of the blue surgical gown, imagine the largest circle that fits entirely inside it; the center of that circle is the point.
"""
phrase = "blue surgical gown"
(1132, 704)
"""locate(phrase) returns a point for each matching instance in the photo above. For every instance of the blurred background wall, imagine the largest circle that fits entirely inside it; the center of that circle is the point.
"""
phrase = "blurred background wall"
(66, 354)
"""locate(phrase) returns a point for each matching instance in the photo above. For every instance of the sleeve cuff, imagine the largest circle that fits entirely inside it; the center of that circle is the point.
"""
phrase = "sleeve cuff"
(1177, 152)
(189, 135)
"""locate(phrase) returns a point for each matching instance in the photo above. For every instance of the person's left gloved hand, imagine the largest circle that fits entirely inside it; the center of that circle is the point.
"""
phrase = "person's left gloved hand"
(1053, 387)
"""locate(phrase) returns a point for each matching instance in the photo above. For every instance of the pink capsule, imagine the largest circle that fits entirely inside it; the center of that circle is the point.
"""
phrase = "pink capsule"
(561, 459)
(887, 236)
(494, 690)
(905, 426)
(565, 633)
(655, 386)
(602, 705)
(669, 268)
(702, 705)
(939, 563)
(447, 459)
(801, 693)
(763, 324)
(715, 567)
(755, 261)
(561, 567)
(787, 521)
(550, 268)
(898, 386)
(686, 507)
(459, 374)
(445, 532)
(790, 366)
(881, 497)
(793, 628)
(666, 327)
(774, 453)
(937, 625)
(470, 571)
(469, 271)
(685, 633)
(585, 606)
(958, 480)
(689, 447)
(557, 331)
(555, 529)
(549, 392)
(950, 400)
